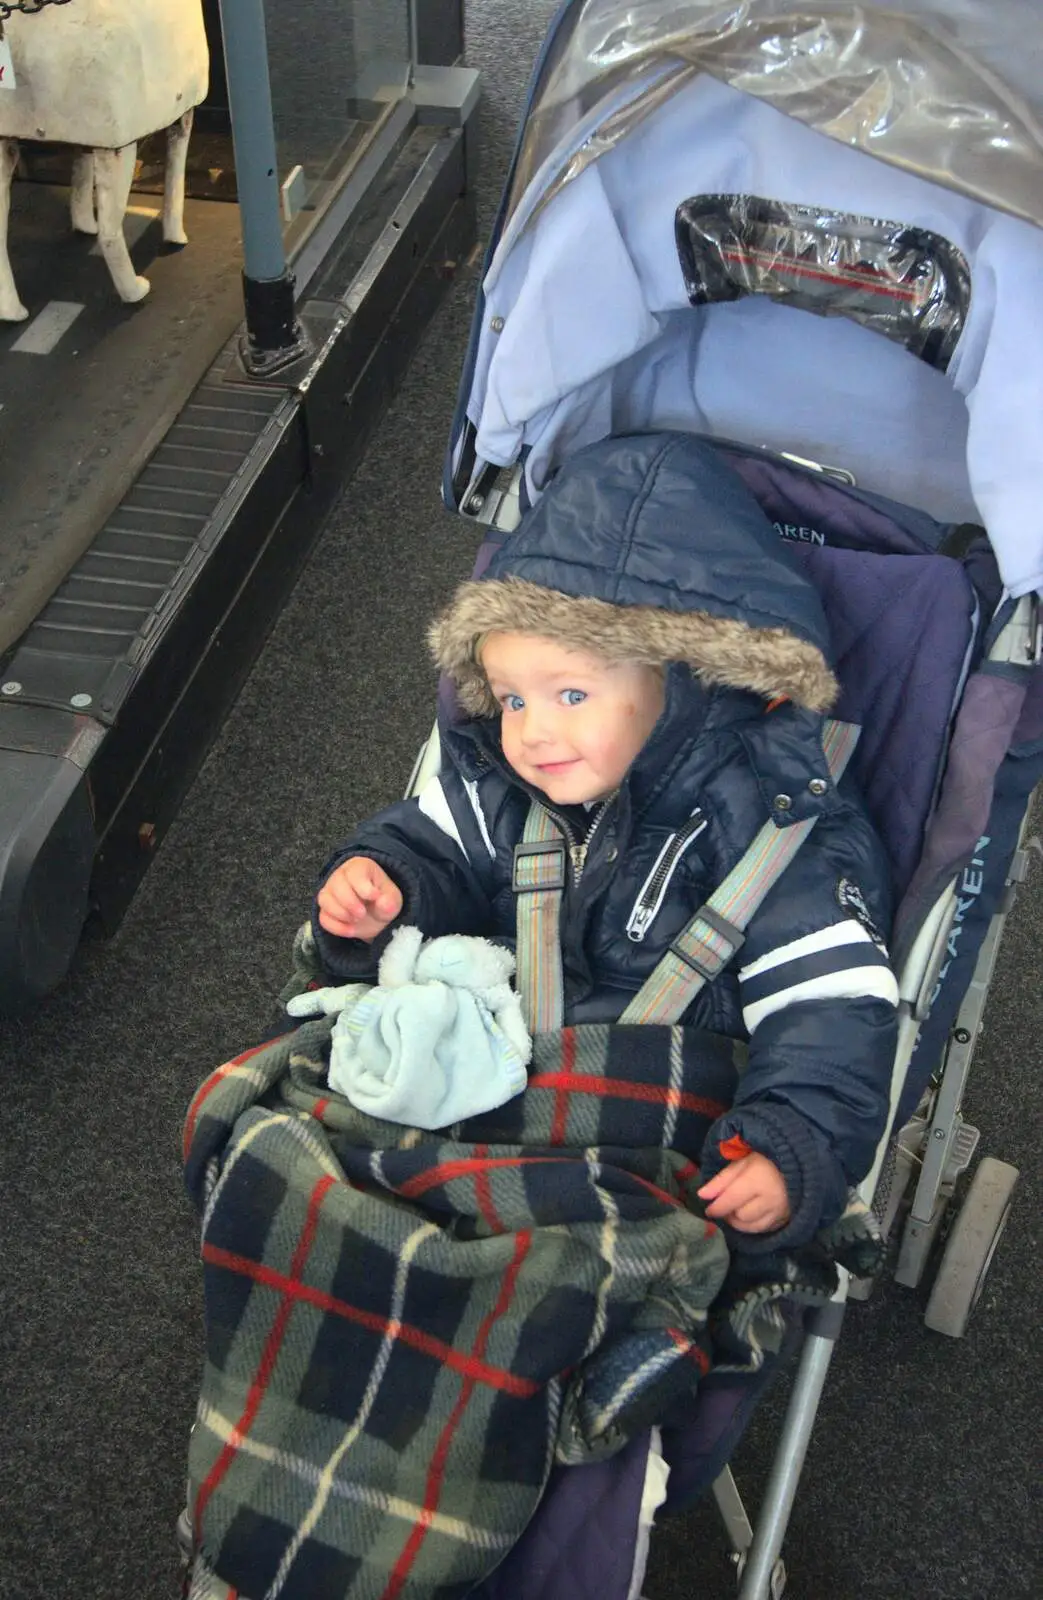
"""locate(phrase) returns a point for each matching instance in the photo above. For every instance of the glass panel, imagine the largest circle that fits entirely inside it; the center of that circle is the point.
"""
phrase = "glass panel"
(336, 66)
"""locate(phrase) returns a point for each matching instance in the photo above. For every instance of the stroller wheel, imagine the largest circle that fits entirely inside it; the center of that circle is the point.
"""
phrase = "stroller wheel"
(970, 1247)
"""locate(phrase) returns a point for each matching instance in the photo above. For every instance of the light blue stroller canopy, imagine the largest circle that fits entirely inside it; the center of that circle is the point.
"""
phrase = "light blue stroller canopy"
(713, 214)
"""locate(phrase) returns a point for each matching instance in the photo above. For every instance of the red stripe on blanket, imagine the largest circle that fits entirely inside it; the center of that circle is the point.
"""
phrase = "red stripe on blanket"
(494, 1377)
(206, 1089)
(467, 1168)
(624, 1089)
(436, 1473)
(689, 1348)
(268, 1354)
(483, 1194)
(559, 1122)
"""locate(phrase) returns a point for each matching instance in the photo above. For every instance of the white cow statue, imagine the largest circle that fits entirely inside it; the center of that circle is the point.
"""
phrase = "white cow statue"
(100, 75)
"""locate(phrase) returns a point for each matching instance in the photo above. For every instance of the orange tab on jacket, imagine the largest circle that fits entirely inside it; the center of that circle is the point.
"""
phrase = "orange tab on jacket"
(735, 1148)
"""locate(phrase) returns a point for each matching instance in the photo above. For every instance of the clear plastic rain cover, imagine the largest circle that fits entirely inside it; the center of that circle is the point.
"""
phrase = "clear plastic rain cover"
(951, 90)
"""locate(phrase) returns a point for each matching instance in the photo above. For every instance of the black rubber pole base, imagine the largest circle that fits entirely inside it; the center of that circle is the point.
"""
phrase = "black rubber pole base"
(274, 338)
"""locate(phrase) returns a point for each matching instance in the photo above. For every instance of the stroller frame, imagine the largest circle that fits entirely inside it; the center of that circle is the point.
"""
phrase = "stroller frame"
(936, 1141)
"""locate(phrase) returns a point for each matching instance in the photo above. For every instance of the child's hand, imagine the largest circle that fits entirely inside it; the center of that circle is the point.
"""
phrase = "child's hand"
(749, 1194)
(358, 900)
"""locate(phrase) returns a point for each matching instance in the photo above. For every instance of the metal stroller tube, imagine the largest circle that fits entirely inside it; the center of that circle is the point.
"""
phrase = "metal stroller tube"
(759, 1581)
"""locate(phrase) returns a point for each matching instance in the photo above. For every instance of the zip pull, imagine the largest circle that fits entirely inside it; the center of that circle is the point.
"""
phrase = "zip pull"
(653, 890)
(578, 857)
(640, 920)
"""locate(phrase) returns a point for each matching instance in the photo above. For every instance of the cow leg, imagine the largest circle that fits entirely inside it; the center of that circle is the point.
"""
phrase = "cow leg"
(178, 135)
(81, 199)
(113, 172)
(11, 308)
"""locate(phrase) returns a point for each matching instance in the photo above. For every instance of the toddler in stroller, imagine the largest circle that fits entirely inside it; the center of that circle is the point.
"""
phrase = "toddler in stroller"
(639, 779)
(613, 663)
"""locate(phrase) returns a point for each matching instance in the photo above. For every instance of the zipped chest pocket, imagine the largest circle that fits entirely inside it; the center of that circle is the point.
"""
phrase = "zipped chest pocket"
(654, 889)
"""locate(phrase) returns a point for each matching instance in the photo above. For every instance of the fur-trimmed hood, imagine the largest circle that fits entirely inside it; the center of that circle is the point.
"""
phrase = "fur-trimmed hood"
(648, 548)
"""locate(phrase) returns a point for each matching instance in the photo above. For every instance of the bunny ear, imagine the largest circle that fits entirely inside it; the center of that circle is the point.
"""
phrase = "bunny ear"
(398, 963)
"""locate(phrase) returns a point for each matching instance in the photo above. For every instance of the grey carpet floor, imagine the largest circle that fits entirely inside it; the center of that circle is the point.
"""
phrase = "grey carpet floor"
(923, 1474)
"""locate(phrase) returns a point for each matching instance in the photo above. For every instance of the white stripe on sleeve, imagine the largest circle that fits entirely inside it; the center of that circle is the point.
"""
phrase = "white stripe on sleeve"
(856, 983)
(435, 806)
(846, 932)
(476, 806)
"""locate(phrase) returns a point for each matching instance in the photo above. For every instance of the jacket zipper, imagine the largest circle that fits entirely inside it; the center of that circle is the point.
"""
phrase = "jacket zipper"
(653, 890)
(578, 852)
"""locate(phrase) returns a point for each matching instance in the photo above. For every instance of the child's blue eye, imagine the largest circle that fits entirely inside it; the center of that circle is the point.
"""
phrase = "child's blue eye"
(573, 697)
(512, 702)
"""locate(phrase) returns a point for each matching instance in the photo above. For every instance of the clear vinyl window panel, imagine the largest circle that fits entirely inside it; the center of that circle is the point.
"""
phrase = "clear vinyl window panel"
(906, 283)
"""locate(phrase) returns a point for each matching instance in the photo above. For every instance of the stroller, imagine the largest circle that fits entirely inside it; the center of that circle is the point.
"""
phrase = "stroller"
(812, 238)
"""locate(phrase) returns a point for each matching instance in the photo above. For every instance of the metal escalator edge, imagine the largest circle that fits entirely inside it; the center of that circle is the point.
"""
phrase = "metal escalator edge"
(109, 702)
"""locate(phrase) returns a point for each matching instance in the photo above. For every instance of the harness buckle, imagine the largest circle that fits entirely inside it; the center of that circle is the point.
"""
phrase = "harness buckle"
(709, 967)
(522, 882)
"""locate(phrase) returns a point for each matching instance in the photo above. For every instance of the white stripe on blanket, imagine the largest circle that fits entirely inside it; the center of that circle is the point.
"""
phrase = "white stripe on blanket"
(301, 1127)
(306, 1527)
(361, 1494)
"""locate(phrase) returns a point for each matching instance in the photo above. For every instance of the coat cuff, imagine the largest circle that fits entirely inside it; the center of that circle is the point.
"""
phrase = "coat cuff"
(349, 960)
(814, 1178)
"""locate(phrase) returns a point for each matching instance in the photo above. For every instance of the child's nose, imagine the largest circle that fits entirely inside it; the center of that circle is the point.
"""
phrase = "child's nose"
(536, 726)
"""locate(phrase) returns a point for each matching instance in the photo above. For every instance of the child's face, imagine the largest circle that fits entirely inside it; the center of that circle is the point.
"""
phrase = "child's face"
(572, 723)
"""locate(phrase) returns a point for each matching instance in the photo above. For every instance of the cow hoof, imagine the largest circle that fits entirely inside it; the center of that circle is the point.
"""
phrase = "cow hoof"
(82, 225)
(176, 239)
(12, 311)
(137, 291)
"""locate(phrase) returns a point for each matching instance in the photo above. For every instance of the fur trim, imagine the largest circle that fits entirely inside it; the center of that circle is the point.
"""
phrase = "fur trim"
(721, 650)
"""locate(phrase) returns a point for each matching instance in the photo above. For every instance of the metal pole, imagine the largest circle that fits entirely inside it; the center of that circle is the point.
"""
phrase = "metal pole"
(773, 1518)
(273, 334)
(414, 39)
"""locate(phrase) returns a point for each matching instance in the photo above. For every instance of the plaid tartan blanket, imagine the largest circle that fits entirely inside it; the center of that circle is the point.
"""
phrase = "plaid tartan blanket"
(404, 1330)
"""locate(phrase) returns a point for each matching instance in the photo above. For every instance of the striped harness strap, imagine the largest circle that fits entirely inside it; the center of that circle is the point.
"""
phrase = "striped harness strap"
(701, 950)
(539, 882)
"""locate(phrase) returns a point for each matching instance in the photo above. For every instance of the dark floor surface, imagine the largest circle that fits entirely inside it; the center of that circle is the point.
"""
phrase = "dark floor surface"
(923, 1475)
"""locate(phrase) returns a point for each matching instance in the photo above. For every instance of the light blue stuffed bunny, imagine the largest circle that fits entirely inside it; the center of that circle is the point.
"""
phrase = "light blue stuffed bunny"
(441, 1037)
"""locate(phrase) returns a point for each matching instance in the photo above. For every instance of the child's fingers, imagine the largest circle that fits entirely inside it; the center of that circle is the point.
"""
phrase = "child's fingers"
(339, 898)
(754, 1216)
(358, 900)
(727, 1204)
(721, 1182)
(374, 888)
(340, 927)
(389, 902)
